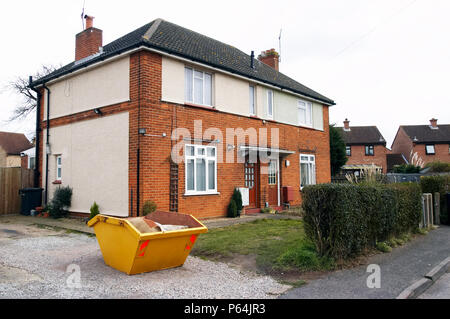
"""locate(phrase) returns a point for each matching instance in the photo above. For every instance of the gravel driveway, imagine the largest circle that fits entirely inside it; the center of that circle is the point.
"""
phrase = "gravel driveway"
(34, 263)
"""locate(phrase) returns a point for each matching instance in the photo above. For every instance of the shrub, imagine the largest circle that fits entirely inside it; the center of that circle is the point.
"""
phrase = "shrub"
(148, 208)
(61, 201)
(232, 209)
(437, 184)
(237, 197)
(409, 207)
(343, 220)
(94, 211)
(383, 247)
(407, 169)
(439, 167)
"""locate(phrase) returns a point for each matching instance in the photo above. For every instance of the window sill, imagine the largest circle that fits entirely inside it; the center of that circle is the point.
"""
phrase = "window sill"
(201, 194)
(207, 107)
(57, 182)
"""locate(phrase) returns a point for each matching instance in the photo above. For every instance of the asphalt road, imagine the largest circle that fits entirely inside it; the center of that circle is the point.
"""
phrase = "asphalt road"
(439, 290)
(399, 269)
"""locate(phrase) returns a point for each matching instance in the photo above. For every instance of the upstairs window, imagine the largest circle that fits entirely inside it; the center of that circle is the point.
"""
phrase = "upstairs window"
(252, 100)
(304, 113)
(198, 87)
(270, 104)
(369, 150)
(429, 150)
(348, 150)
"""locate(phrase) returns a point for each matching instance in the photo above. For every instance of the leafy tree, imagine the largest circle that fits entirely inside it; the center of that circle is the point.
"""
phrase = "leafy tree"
(338, 157)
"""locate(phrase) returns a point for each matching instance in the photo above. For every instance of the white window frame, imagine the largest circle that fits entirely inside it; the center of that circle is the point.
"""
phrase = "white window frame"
(311, 163)
(348, 150)
(270, 102)
(192, 87)
(59, 167)
(252, 99)
(307, 108)
(207, 159)
(427, 149)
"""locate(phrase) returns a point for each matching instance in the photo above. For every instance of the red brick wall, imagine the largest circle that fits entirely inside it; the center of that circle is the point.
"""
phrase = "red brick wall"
(24, 161)
(147, 111)
(358, 156)
(88, 42)
(441, 153)
(402, 144)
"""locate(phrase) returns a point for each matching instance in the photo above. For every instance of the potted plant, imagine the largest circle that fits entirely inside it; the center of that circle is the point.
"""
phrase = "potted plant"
(237, 197)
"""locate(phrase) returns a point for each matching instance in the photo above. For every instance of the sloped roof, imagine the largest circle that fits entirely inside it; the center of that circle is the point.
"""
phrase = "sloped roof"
(173, 39)
(362, 135)
(14, 143)
(425, 134)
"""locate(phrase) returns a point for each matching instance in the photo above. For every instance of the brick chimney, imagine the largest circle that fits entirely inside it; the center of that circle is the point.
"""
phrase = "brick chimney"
(433, 123)
(271, 58)
(89, 40)
(346, 125)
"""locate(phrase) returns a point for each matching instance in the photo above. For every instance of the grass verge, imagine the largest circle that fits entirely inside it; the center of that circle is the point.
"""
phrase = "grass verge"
(279, 245)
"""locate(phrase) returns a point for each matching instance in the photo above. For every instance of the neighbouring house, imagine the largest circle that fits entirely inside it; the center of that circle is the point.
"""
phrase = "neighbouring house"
(430, 142)
(29, 158)
(170, 115)
(365, 147)
(11, 146)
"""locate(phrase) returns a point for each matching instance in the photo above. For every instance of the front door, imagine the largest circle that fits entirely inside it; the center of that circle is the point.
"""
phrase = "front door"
(251, 182)
(273, 183)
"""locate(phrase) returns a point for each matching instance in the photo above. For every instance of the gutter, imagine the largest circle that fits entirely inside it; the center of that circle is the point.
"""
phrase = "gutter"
(174, 55)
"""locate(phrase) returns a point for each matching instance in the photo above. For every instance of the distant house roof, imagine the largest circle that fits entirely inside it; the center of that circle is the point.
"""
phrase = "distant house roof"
(14, 143)
(422, 134)
(362, 135)
(178, 41)
(393, 160)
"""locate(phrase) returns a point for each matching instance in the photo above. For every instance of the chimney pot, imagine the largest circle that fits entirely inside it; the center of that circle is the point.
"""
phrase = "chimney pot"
(89, 21)
(433, 123)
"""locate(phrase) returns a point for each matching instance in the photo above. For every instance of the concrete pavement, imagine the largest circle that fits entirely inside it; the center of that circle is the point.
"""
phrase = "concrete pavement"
(399, 269)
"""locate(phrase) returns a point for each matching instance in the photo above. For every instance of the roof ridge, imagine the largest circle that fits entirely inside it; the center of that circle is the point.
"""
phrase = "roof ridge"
(155, 25)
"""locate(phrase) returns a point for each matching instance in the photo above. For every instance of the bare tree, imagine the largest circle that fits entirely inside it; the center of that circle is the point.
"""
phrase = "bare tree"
(20, 86)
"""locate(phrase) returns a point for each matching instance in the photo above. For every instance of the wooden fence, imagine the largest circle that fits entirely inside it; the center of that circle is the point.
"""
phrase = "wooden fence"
(12, 179)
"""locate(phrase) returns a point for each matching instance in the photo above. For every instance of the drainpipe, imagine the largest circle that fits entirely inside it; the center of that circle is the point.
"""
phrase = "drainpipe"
(138, 173)
(38, 131)
(47, 144)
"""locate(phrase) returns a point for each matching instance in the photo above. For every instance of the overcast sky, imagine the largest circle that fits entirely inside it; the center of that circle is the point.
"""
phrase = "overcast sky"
(384, 62)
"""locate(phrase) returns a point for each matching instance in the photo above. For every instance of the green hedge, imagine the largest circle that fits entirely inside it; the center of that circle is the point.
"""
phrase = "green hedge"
(437, 184)
(342, 220)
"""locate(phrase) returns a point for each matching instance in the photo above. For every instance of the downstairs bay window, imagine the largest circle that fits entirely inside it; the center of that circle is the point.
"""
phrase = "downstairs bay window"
(201, 169)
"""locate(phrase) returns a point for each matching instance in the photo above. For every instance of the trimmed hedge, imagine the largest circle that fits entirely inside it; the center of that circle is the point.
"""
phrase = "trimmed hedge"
(343, 220)
(437, 184)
